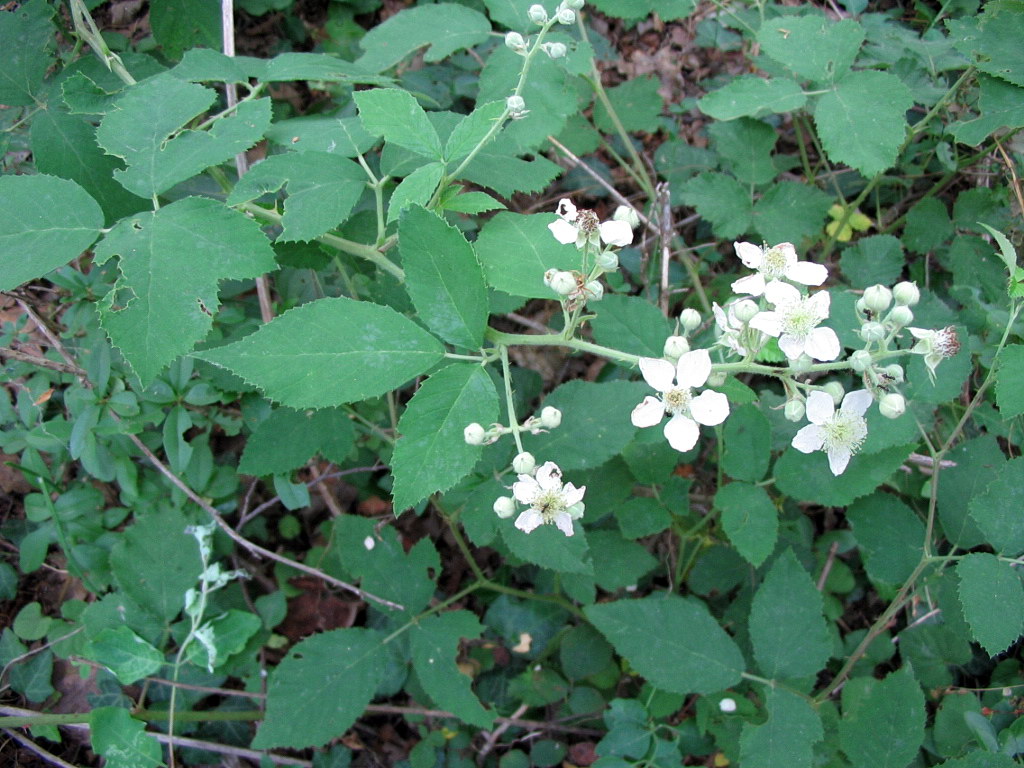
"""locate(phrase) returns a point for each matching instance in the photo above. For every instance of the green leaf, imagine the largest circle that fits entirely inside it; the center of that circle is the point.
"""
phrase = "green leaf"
(813, 47)
(351, 350)
(889, 536)
(978, 462)
(205, 64)
(595, 422)
(980, 759)
(415, 189)
(747, 444)
(997, 509)
(749, 519)
(125, 654)
(807, 477)
(471, 130)
(786, 739)
(229, 633)
(883, 720)
(322, 191)
(471, 203)
(634, 10)
(637, 104)
(640, 516)
(549, 548)
(745, 146)
(790, 212)
(287, 439)
(1001, 105)
(122, 740)
(629, 733)
(874, 259)
(722, 201)
(704, 658)
(146, 130)
(623, 562)
(435, 646)
(993, 600)
(27, 40)
(181, 24)
(631, 324)
(516, 250)
(445, 27)
(752, 96)
(1010, 383)
(47, 222)
(286, 67)
(928, 226)
(443, 278)
(320, 688)
(398, 117)
(496, 168)
(787, 629)
(862, 120)
(171, 262)
(343, 136)
(154, 562)
(430, 454)
(510, 13)
(993, 42)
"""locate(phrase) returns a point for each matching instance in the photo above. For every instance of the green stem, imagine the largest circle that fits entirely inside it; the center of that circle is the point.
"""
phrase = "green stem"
(153, 715)
(513, 422)
(556, 599)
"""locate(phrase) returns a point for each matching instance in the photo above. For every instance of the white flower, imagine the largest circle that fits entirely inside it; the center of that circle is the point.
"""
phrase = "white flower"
(676, 383)
(795, 322)
(728, 706)
(582, 227)
(779, 261)
(731, 324)
(935, 346)
(838, 434)
(549, 500)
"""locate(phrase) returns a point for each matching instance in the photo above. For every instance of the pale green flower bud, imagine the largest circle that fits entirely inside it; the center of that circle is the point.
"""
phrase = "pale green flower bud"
(627, 213)
(860, 360)
(550, 417)
(728, 706)
(516, 42)
(872, 331)
(901, 316)
(794, 410)
(835, 391)
(676, 347)
(566, 16)
(716, 379)
(594, 290)
(504, 507)
(576, 5)
(516, 106)
(563, 283)
(892, 406)
(554, 50)
(801, 364)
(689, 319)
(893, 373)
(474, 434)
(549, 276)
(524, 463)
(745, 310)
(607, 260)
(906, 294)
(877, 298)
(537, 14)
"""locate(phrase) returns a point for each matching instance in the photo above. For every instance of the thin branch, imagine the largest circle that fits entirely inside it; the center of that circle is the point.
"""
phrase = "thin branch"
(34, 748)
(493, 736)
(40, 362)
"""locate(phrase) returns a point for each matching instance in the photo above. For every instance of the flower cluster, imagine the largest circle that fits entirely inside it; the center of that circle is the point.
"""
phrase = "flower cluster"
(549, 501)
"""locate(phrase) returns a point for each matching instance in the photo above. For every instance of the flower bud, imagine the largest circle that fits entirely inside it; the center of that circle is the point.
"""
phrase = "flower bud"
(627, 213)
(576, 5)
(594, 290)
(872, 331)
(716, 379)
(607, 260)
(834, 390)
(566, 16)
(894, 373)
(676, 347)
(728, 706)
(877, 298)
(554, 50)
(563, 283)
(801, 364)
(524, 463)
(537, 14)
(900, 316)
(892, 406)
(906, 294)
(474, 434)
(516, 106)
(504, 507)
(689, 319)
(550, 417)
(794, 410)
(516, 42)
(745, 310)
(860, 360)
(549, 276)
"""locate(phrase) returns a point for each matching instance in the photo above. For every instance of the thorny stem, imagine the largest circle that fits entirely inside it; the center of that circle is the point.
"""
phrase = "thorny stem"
(513, 422)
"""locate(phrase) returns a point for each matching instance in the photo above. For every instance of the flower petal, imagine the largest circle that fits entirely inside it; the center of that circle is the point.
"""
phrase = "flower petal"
(778, 292)
(820, 301)
(809, 439)
(822, 344)
(857, 402)
(838, 458)
(660, 374)
(792, 346)
(526, 491)
(751, 284)
(751, 255)
(682, 432)
(616, 232)
(572, 495)
(549, 476)
(693, 368)
(820, 407)
(709, 408)
(566, 209)
(648, 413)
(767, 322)
(529, 520)
(563, 231)
(807, 273)
(564, 523)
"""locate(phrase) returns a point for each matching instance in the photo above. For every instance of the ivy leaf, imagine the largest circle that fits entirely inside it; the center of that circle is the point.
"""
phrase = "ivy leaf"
(287, 439)
(26, 38)
(351, 350)
(398, 117)
(47, 222)
(433, 640)
(443, 278)
(993, 600)
(445, 27)
(862, 120)
(171, 262)
(430, 454)
(786, 739)
(146, 130)
(322, 190)
(883, 720)
(320, 688)
(749, 519)
(814, 47)
(122, 740)
(516, 250)
(125, 654)
(752, 96)
(704, 658)
(787, 628)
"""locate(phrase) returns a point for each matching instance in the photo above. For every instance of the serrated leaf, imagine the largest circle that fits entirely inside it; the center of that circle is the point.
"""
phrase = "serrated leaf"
(47, 222)
(807, 477)
(883, 720)
(228, 633)
(471, 130)
(27, 40)
(722, 201)
(122, 740)
(786, 739)
(343, 136)
(889, 536)
(398, 117)
(288, 438)
(814, 47)
(790, 212)
(292, 65)
(496, 168)
(320, 688)
(623, 562)
(992, 41)
(928, 226)
(171, 262)
(633, 10)
(631, 324)
(787, 629)
(747, 444)
(874, 259)
(431, 454)
(752, 96)
(862, 120)
(749, 519)
(445, 27)
(978, 462)
(415, 189)
(471, 203)
(181, 24)
(443, 278)
(1010, 383)
(1001, 105)
(322, 190)
(516, 250)
(745, 146)
(637, 104)
(205, 64)
(146, 130)
(125, 654)
(997, 509)
(992, 597)
(704, 658)
(351, 350)
(435, 644)
(549, 548)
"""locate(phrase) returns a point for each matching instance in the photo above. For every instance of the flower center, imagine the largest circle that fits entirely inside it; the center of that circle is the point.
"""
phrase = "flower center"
(587, 221)
(677, 400)
(800, 318)
(773, 264)
(947, 343)
(549, 504)
(844, 432)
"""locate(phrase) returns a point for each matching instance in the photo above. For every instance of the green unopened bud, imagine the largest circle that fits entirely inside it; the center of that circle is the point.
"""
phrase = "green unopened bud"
(576, 5)
(901, 316)
(892, 406)
(627, 213)
(716, 379)
(537, 14)
(690, 320)
(474, 434)
(877, 298)
(563, 283)
(794, 410)
(594, 290)
(675, 347)
(516, 42)
(860, 360)
(504, 507)
(872, 331)
(893, 373)
(834, 390)
(745, 310)
(516, 106)
(801, 364)
(906, 294)
(566, 16)
(554, 50)
(524, 463)
(607, 260)
(550, 417)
